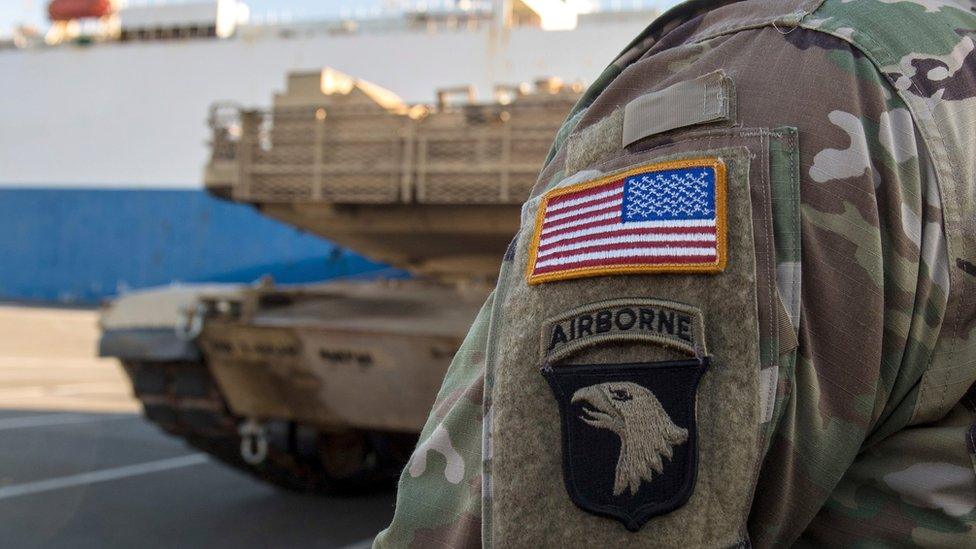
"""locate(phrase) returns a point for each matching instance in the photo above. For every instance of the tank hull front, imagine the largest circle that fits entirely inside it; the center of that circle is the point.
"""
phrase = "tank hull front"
(328, 377)
(368, 356)
(299, 443)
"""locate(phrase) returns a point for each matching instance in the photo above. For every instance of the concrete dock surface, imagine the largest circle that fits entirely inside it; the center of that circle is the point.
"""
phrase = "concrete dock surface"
(80, 468)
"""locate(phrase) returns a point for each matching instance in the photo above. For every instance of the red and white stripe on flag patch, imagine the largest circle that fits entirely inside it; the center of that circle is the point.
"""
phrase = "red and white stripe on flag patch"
(666, 217)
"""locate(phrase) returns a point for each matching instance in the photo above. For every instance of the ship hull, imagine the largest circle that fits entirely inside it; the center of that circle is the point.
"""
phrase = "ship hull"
(81, 246)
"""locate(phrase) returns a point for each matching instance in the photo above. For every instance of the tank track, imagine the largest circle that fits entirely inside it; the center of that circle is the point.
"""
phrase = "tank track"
(183, 399)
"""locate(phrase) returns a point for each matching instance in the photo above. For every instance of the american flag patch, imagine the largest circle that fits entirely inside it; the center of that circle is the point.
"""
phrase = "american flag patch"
(667, 217)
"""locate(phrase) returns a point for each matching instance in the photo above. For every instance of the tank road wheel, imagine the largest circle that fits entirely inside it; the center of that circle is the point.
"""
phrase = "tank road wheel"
(183, 399)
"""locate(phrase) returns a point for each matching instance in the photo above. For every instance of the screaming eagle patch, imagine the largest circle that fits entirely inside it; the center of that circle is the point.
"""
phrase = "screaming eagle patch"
(628, 435)
(665, 217)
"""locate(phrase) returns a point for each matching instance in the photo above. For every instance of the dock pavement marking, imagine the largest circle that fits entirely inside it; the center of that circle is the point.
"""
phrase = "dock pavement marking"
(363, 544)
(50, 420)
(61, 389)
(104, 475)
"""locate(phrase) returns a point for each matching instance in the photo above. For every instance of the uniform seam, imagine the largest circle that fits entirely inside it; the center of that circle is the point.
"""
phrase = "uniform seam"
(710, 137)
(751, 24)
(491, 352)
(795, 215)
(767, 236)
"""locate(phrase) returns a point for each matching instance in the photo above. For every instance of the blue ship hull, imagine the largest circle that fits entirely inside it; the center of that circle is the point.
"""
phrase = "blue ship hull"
(83, 246)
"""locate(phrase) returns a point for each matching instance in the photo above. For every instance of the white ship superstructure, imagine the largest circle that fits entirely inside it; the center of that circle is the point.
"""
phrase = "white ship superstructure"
(104, 133)
(122, 101)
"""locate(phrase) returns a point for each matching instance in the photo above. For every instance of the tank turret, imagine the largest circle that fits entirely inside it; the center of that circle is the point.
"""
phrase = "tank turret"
(434, 189)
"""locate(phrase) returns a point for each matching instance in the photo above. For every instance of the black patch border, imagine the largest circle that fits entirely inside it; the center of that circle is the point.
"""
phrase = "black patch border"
(634, 520)
(966, 266)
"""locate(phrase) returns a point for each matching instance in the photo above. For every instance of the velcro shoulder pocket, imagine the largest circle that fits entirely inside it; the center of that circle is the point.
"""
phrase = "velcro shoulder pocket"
(638, 340)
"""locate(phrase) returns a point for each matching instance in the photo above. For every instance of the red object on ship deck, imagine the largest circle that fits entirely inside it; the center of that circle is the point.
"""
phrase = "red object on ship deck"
(66, 10)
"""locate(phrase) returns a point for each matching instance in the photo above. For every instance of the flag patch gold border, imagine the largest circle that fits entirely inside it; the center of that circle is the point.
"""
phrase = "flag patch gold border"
(637, 267)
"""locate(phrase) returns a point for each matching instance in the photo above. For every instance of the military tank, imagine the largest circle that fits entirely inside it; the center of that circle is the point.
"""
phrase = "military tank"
(325, 387)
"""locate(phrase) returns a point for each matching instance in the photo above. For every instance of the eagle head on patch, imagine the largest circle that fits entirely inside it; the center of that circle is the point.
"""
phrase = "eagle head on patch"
(647, 433)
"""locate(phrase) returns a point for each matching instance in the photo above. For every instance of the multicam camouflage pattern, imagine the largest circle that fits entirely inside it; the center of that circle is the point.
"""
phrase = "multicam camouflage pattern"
(442, 506)
(871, 439)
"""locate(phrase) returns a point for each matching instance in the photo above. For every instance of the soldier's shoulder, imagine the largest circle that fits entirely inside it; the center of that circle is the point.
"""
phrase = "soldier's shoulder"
(892, 29)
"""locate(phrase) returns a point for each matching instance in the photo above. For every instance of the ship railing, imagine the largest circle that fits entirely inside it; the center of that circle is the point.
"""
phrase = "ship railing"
(225, 124)
(306, 154)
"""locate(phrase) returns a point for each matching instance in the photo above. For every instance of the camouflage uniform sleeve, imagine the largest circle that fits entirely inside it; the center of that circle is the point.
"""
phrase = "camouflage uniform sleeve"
(854, 453)
(439, 494)
(848, 456)
(846, 461)
(883, 444)
(854, 457)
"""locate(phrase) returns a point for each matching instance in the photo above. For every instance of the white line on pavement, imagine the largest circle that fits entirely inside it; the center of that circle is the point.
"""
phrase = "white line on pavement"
(60, 389)
(364, 544)
(27, 488)
(56, 419)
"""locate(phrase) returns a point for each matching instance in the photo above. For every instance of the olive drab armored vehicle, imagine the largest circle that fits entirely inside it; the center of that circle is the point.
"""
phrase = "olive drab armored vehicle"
(325, 387)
